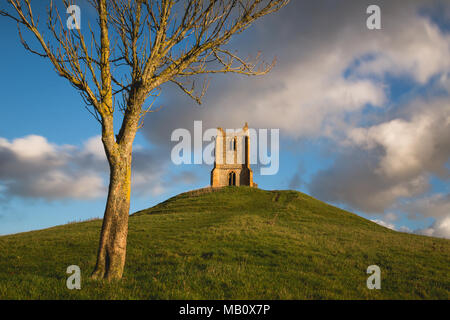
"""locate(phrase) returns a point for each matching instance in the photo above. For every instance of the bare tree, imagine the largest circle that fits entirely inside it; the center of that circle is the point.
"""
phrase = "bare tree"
(119, 66)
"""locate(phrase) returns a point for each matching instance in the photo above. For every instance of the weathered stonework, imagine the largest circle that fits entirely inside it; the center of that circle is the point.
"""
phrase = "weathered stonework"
(232, 159)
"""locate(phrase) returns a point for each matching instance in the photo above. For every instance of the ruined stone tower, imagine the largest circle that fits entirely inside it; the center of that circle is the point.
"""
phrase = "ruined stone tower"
(232, 159)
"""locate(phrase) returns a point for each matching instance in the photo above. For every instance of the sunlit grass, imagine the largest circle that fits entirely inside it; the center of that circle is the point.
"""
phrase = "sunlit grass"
(233, 243)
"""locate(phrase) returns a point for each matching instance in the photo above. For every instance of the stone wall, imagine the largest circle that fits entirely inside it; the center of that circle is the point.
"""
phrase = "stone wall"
(232, 155)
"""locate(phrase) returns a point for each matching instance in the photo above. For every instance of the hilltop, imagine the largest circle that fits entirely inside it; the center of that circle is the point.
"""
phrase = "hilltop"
(232, 243)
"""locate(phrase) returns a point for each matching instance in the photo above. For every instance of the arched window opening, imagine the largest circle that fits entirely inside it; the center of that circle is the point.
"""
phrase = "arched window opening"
(233, 144)
(232, 179)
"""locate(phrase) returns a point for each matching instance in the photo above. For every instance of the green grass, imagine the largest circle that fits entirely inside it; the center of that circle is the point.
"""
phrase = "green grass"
(234, 243)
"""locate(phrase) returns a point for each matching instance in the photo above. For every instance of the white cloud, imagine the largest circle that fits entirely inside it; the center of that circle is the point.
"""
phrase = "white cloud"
(390, 216)
(410, 146)
(148, 183)
(435, 205)
(32, 167)
(387, 166)
(29, 147)
(418, 49)
(94, 147)
(391, 226)
(58, 184)
(405, 229)
(384, 224)
(441, 228)
(310, 92)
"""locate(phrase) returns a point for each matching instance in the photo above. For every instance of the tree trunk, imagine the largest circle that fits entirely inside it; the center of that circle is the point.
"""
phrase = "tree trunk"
(113, 237)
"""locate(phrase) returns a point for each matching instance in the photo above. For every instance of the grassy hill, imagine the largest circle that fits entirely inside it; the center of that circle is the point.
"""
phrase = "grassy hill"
(234, 243)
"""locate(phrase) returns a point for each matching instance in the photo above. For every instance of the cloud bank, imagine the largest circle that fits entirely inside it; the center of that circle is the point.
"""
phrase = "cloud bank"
(33, 167)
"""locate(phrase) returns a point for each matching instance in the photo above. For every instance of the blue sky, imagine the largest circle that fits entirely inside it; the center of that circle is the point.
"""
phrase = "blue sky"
(357, 110)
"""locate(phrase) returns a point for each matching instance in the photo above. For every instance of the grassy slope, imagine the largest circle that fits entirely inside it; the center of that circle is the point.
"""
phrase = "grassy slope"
(236, 243)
